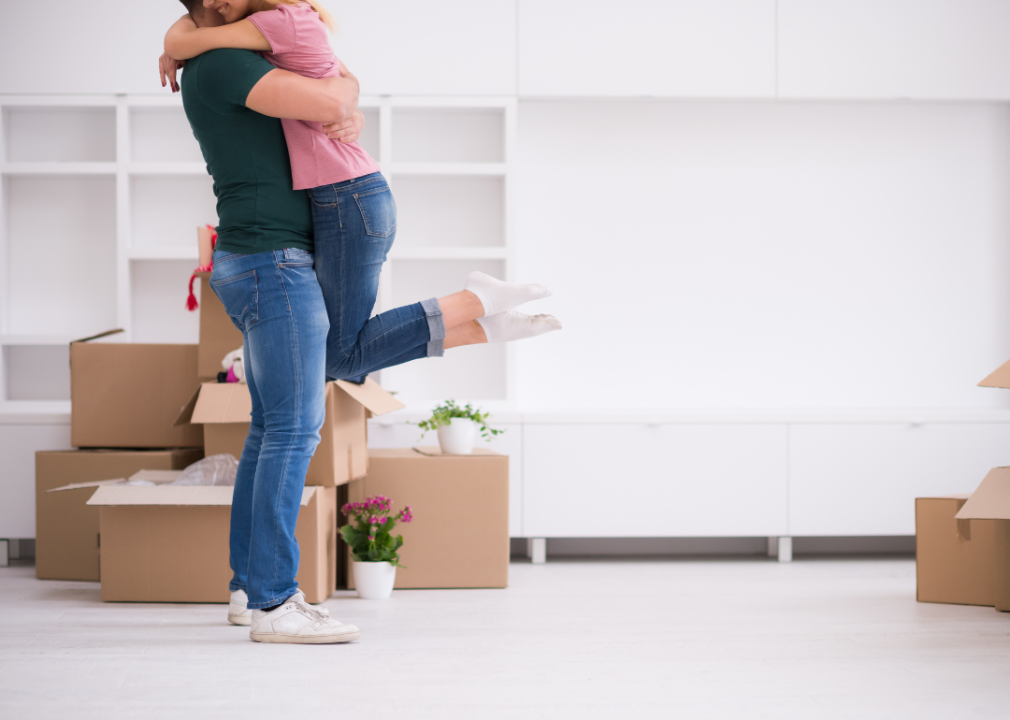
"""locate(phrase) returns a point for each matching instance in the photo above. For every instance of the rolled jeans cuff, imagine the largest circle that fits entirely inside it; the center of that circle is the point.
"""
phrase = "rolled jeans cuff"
(436, 327)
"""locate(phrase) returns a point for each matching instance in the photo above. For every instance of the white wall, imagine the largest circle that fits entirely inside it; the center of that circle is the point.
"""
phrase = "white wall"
(758, 255)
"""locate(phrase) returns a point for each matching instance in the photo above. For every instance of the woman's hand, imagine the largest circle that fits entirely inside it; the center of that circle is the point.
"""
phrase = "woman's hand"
(347, 130)
(168, 67)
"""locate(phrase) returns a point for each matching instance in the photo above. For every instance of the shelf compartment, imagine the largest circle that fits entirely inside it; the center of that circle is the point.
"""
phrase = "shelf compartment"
(67, 134)
(58, 168)
(37, 372)
(159, 302)
(155, 252)
(162, 135)
(168, 168)
(450, 212)
(73, 219)
(470, 373)
(48, 340)
(454, 135)
(167, 210)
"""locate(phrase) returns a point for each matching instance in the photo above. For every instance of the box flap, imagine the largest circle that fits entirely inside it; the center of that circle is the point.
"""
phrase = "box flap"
(160, 477)
(93, 484)
(991, 500)
(372, 396)
(99, 335)
(222, 403)
(181, 495)
(437, 452)
(999, 378)
(186, 414)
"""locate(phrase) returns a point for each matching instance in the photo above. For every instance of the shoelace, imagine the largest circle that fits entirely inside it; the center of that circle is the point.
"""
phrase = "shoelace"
(319, 612)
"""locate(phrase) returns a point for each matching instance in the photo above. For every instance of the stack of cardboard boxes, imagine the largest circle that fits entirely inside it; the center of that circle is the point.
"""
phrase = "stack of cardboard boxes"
(963, 541)
(170, 543)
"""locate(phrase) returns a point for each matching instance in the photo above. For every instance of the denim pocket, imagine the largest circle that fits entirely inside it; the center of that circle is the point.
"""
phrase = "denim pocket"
(378, 211)
(240, 296)
(295, 257)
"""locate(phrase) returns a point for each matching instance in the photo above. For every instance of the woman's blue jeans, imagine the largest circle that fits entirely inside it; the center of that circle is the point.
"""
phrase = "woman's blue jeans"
(274, 299)
(354, 223)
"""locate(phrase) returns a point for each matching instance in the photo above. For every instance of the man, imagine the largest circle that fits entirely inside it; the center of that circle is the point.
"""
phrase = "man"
(264, 276)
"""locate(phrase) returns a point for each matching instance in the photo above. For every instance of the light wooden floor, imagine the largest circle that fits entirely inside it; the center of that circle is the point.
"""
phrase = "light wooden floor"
(577, 639)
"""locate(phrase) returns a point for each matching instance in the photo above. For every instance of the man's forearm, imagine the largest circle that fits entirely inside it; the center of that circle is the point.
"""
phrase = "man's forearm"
(283, 94)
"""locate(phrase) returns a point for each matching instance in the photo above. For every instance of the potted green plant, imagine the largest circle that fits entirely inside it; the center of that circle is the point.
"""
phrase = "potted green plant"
(374, 549)
(458, 426)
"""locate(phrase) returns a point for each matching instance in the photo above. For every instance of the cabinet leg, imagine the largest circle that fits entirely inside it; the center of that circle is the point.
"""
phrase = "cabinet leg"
(538, 550)
(773, 546)
(785, 549)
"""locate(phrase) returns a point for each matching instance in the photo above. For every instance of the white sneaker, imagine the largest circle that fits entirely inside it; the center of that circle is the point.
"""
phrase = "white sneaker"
(238, 613)
(298, 622)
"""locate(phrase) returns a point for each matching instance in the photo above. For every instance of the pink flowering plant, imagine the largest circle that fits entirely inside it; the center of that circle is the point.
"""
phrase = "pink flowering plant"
(369, 532)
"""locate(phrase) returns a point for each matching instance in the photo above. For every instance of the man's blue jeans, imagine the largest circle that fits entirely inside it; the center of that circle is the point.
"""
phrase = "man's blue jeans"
(275, 300)
(354, 223)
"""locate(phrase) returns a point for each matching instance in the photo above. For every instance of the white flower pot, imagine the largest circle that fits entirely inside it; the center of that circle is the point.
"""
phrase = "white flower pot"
(374, 580)
(458, 437)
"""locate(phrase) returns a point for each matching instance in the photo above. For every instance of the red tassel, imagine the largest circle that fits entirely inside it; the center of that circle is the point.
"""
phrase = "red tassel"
(191, 302)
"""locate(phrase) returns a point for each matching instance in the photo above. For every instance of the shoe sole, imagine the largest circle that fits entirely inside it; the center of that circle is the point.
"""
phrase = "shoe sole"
(303, 639)
(244, 620)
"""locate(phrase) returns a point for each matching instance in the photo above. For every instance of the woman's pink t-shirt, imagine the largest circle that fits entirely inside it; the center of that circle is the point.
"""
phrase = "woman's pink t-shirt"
(301, 45)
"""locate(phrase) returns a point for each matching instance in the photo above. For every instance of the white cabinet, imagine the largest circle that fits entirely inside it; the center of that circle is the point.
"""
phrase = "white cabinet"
(863, 479)
(18, 444)
(679, 48)
(442, 47)
(394, 432)
(654, 481)
(924, 49)
(72, 47)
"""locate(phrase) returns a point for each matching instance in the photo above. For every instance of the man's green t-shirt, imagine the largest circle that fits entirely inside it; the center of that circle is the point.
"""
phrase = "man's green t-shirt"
(246, 155)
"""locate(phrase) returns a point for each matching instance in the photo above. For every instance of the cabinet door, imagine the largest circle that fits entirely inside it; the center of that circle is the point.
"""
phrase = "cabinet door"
(18, 445)
(440, 47)
(654, 481)
(863, 479)
(118, 41)
(396, 433)
(680, 48)
(926, 49)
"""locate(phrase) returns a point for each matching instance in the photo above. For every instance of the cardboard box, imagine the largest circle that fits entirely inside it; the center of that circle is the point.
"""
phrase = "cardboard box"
(954, 559)
(991, 501)
(218, 334)
(459, 537)
(128, 395)
(66, 534)
(170, 544)
(223, 410)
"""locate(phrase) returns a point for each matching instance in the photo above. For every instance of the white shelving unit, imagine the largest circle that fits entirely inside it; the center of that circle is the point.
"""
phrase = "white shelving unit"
(99, 196)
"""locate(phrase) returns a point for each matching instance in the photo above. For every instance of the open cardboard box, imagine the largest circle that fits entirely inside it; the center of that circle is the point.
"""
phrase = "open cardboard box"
(223, 410)
(128, 395)
(66, 529)
(170, 543)
(991, 502)
(459, 537)
(954, 559)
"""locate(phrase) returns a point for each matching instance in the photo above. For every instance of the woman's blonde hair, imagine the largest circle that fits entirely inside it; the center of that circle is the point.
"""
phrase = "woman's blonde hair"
(324, 14)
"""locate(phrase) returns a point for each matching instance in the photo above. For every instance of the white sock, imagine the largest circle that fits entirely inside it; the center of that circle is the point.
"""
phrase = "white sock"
(514, 325)
(498, 296)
